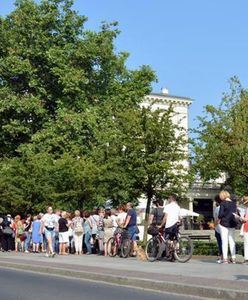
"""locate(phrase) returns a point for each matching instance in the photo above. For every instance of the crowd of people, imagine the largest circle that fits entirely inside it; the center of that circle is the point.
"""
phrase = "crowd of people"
(61, 232)
(87, 232)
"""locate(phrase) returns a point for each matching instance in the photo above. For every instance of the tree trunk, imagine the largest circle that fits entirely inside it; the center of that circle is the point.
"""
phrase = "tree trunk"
(148, 204)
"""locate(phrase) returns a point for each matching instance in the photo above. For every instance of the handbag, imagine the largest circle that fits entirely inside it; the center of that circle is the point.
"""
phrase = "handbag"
(8, 231)
(137, 231)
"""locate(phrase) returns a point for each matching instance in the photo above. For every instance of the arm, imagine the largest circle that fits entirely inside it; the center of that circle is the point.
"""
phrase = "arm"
(128, 218)
(164, 220)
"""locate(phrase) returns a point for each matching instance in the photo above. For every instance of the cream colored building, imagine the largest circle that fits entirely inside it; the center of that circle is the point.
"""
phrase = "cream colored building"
(200, 196)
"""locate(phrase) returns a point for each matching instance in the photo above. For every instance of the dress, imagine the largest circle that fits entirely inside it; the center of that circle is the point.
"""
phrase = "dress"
(108, 229)
(36, 237)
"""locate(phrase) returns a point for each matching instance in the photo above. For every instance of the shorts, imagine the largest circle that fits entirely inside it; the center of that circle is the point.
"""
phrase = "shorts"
(49, 234)
(132, 232)
(64, 237)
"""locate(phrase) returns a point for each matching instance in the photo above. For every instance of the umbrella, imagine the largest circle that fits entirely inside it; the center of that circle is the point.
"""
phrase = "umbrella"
(188, 213)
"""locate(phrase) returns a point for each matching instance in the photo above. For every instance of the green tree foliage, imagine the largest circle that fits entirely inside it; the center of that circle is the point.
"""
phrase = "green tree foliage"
(222, 143)
(72, 132)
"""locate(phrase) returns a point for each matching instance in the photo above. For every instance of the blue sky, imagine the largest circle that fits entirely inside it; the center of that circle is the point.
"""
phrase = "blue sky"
(194, 46)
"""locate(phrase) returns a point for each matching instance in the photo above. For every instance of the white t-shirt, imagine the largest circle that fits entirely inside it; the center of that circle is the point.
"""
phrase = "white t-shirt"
(49, 220)
(216, 217)
(173, 214)
(122, 217)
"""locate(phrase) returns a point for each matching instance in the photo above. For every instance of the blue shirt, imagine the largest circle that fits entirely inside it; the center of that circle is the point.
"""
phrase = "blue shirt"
(133, 220)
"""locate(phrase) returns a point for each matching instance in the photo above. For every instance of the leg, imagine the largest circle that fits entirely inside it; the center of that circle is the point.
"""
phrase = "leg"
(219, 242)
(232, 245)
(87, 242)
(224, 239)
(246, 245)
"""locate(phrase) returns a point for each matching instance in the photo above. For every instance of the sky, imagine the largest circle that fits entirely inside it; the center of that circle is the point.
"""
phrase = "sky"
(194, 46)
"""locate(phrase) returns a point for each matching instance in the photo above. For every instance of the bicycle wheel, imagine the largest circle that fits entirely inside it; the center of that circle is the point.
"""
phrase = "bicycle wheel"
(112, 247)
(125, 248)
(183, 249)
(152, 249)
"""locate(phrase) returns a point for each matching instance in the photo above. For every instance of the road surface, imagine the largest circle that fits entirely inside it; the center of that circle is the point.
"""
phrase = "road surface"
(19, 285)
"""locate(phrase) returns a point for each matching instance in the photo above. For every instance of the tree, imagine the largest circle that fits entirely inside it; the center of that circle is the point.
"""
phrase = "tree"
(222, 142)
(147, 156)
(60, 86)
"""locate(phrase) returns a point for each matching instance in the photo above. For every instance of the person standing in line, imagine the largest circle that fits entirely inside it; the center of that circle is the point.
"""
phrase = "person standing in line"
(48, 225)
(108, 225)
(131, 225)
(57, 216)
(245, 230)
(227, 226)
(78, 231)
(157, 213)
(94, 220)
(88, 232)
(100, 231)
(217, 228)
(121, 217)
(8, 237)
(27, 230)
(63, 234)
(36, 236)
(19, 231)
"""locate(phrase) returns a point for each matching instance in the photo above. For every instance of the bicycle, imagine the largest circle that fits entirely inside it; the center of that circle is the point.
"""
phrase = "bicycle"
(179, 248)
(119, 244)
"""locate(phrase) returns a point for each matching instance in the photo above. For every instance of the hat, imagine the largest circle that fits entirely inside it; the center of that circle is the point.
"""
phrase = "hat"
(245, 200)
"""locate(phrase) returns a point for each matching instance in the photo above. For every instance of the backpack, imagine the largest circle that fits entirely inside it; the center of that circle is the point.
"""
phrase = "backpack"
(78, 228)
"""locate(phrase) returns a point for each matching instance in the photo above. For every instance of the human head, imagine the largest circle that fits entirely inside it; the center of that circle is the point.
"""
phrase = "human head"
(35, 218)
(107, 213)
(172, 197)
(17, 218)
(129, 205)
(217, 200)
(160, 202)
(58, 212)
(86, 214)
(121, 208)
(77, 213)
(101, 212)
(49, 210)
(224, 195)
(64, 214)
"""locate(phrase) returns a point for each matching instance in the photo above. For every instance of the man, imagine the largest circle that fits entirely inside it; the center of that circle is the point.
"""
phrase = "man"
(131, 225)
(171, 217)
(157, 213)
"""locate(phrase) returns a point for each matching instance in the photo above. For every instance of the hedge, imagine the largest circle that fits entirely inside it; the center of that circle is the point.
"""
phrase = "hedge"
(211, 248)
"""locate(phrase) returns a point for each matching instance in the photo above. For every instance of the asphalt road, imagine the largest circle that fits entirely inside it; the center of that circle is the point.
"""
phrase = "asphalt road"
(19, 285)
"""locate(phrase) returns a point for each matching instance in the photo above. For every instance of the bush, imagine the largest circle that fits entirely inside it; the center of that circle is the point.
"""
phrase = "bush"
(211, 248)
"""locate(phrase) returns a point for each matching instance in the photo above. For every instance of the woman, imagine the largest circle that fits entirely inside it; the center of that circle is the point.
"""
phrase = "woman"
(122, 215)
(36, 236)
(88, 232)
(245, 220)
(108, 229)
(19, 231)
(100, 231)
(227, 226)
(48, 225)
(27, 230)
(78, 231)
(63, 233)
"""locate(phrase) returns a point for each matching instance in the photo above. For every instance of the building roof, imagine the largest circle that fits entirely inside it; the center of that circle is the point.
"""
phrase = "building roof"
(171, 96)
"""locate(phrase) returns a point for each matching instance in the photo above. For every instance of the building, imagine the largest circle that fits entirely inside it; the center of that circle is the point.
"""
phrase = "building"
(201, 196)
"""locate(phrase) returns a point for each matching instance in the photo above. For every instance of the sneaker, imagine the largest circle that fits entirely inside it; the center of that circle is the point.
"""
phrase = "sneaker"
(26, 251)
(52, 254)
(46, 255)
(219, 261)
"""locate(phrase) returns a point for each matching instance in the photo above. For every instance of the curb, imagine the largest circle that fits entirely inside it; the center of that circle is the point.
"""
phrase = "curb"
(161, 286)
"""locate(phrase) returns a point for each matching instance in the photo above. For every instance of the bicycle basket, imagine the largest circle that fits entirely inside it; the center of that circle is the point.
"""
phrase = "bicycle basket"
(153, 230)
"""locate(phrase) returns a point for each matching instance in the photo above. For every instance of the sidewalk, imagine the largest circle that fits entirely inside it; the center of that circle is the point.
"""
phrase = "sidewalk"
(203, 278)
